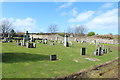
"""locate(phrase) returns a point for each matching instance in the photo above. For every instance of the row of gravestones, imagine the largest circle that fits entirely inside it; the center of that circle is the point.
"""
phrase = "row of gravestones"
(6, 40)
(98, 51)
(28, 44)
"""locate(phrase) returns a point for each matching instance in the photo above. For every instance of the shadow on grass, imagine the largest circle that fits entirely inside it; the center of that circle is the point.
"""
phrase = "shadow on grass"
(22, 57)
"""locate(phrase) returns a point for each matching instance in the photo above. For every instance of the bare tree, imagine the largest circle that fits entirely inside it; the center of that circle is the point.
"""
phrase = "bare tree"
(53, 28)
(5, 26)
(81, 29)
(70, 30)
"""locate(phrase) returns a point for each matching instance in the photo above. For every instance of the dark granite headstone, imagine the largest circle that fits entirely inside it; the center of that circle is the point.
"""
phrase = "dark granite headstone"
(31, 45)
(96, 51)
(100, 51)
(53, 57)
(83, 51)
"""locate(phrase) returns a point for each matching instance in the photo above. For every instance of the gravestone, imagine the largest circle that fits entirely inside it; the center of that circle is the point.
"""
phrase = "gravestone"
(31, 45)
(83, 51)
(66, 44)
(27, 36)
(53, 57)
(8, 37)
(96, 51)
(100, 51)
(83, 41)
(32, 39)
(27, 45)
(103, 51)
(44, 41)
(56, 38)
(34, 45)
(23, 41)
(10, 41)
(5, 39)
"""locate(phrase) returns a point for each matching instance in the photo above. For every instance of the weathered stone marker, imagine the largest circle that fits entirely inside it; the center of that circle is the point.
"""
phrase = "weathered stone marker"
(56, 39)
(53, 57)
(66, 44)
(83, 51)
(34, 45)
(27, 45)
(23, 41)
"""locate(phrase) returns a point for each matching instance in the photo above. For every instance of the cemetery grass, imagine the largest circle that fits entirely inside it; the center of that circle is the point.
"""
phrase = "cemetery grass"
(22, 62)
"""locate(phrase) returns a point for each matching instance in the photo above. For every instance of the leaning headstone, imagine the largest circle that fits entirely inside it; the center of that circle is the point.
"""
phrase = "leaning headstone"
(83, 51)
(34, 45)
(53, 57)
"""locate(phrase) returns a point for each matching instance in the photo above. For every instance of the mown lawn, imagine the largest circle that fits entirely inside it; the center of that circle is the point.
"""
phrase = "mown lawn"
(22, 62)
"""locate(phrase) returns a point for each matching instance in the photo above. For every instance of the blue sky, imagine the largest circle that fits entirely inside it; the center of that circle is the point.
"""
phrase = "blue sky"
(100, 17)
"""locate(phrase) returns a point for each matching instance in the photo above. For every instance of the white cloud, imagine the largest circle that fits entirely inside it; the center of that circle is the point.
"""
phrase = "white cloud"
(65, 5)
(73, 12)
(106, 5)
(24, 24)
(82, 17)
(107, 20)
